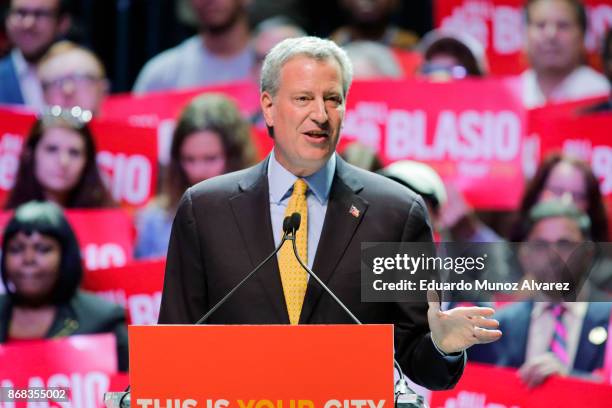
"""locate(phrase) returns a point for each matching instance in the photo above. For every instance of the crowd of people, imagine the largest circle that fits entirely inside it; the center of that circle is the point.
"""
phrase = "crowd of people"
(562, 204)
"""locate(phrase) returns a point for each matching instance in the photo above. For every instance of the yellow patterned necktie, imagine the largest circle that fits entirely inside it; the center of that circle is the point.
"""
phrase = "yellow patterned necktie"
(293, 276)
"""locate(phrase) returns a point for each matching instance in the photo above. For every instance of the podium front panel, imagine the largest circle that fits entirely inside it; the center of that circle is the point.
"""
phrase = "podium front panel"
(272, 366)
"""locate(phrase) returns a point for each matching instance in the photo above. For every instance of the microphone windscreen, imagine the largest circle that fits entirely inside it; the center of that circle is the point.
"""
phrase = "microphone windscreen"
(287, 224)
(296, 219)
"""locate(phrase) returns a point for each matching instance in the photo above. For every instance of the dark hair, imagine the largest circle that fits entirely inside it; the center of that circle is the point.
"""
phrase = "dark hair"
(89, 192)
(456, 48)
(576, 5)
(47, 219)
(218, 114)
(606, 53)
(595, 209)
(553, 209)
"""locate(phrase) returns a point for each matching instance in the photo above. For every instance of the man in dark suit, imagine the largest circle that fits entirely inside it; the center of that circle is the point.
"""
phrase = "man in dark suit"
(227, 225)
(547, 335)
(32, 26)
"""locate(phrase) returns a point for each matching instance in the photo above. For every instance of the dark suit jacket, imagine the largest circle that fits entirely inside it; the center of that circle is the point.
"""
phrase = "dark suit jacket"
(514, 322)
(222, 230)
(83, 314)
(10, 92)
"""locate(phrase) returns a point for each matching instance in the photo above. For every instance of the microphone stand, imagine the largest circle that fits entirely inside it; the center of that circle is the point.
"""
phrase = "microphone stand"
(405, 397)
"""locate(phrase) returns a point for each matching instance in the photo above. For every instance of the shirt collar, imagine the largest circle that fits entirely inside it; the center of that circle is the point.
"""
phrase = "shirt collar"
(577, 309)
(21, 65)
(281, 180)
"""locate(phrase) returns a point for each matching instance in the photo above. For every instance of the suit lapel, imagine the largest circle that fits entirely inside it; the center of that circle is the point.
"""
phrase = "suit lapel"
(517, 345)
(251, 208)
(588, 355)
(345, 210)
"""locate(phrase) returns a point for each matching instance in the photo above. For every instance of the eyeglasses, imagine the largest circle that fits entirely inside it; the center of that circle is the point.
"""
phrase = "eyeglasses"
(75, 116)
(78, 80)
(576, 196)
(565, 246)
(453, 71)
(37, 14)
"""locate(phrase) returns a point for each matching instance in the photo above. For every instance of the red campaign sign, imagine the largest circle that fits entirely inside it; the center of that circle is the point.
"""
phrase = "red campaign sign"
(470, 131)
(563, 129)
(159, 110)
(483, 386)
(127, 156)
(152, 108)
(499, 26)
(14, 126)
(106, 237)
(136, 287)
(83, 365)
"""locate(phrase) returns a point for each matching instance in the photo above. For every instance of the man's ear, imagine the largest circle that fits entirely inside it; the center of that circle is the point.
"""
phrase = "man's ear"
(267, 105)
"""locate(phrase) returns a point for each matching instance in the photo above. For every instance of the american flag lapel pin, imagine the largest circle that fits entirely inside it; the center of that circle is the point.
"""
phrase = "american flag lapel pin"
(354, 211)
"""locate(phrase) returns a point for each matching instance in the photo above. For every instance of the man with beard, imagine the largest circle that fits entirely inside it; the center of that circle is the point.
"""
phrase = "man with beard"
(370, 20)
(32, 26)
(555, 49)
(219, 53)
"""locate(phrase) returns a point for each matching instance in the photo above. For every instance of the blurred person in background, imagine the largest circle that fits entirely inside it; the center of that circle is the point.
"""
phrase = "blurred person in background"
(451, 55)
(32, 26)
(373, 60)
(370, 20)
(551, 336)
(41, 272)
(72, 75)
(220, 52)
(267, 34)
(210, 139)
(58, 164)
(556, 54)
(572, 181)
(361, 156)
(423, 180)
(606, 58)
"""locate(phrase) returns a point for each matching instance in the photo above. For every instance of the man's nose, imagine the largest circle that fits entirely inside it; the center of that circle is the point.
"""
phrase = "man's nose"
(319, 112)
(551, 30)
(28, 20)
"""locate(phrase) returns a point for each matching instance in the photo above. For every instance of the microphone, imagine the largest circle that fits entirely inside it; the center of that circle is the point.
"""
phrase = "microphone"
(288, 227)
(405, 397)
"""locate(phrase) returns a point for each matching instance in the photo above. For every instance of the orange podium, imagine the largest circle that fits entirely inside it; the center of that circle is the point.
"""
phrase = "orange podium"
(261, 366)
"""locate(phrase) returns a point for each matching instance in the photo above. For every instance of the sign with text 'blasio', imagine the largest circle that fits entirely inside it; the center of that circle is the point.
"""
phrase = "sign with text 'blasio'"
(470, 131)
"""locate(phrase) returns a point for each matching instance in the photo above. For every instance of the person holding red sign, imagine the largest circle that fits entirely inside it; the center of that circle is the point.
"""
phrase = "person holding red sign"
(58, 163)
(555, 48)
(41, 271)
(210, 138)
(226, 225)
